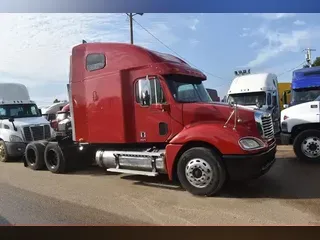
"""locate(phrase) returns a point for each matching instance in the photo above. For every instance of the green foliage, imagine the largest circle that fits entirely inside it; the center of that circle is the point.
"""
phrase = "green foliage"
(316, 62)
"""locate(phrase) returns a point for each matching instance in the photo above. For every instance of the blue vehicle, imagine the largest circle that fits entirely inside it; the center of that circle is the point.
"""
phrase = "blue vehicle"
(305, 85)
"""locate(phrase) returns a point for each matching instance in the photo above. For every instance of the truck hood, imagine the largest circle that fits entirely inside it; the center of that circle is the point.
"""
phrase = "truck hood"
(27, 121)
(302, 111)
(216, 112)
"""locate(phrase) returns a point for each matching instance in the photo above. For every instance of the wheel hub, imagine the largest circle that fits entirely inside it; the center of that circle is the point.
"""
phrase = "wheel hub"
(2, 152)
(311, 147)
(199, 173)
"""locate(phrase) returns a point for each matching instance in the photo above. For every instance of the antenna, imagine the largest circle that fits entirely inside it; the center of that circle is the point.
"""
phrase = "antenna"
(308, 55)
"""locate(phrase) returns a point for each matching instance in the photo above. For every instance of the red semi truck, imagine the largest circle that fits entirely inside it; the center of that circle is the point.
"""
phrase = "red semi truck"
(130, 114)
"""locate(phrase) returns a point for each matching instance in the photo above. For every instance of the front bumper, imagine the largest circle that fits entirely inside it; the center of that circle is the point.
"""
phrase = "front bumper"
(285, 138)
(15, 149)
(246, 167)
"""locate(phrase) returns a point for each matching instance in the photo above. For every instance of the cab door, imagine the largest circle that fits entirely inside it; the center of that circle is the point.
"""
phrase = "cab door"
(152, 112)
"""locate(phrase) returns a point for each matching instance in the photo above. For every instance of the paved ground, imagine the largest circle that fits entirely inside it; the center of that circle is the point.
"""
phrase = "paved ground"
(288, 194)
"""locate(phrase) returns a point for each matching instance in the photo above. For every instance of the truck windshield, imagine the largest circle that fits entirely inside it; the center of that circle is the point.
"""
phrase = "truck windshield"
(186, 89)
(19, 111)
(304, 95)
(247, 99)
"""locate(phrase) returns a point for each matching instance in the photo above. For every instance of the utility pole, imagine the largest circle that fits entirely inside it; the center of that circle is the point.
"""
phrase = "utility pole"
(308, 56)
(131, 15)
(131, 27)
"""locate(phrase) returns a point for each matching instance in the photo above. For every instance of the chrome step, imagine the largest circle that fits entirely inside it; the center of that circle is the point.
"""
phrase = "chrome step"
(132, 172)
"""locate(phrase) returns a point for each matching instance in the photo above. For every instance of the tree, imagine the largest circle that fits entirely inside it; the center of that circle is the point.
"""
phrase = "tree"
(316, 62)
(56, 101)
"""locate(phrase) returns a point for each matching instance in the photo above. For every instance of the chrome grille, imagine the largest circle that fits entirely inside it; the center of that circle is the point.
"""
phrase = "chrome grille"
(267, 126)
(34, 133)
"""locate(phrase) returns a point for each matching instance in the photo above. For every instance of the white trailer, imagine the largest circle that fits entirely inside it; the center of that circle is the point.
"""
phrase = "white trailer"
(20, 121)
(257, 91)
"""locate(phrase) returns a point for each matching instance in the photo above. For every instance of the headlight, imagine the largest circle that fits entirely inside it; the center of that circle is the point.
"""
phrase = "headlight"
(250, 143)
(14, 138)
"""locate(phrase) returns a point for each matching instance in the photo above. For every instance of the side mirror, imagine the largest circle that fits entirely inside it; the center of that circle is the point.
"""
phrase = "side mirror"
(231, 103)
(285, 106)
(258, 105)
(11, 119)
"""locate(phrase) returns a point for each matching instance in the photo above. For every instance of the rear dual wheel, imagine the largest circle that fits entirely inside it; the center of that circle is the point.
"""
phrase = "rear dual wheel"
(54, 158)
(41, 155)
(34, 155)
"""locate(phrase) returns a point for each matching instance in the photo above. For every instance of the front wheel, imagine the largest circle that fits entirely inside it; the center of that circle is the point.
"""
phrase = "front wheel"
(307, 146)
(3, 152)
(201, 172)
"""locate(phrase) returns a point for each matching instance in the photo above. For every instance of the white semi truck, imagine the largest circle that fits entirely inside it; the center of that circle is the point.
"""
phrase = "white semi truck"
(300, 125)
(257, 91)
(20, 121)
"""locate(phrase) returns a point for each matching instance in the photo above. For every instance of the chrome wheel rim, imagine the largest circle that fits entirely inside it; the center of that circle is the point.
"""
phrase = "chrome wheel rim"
(2, 152)
(198, 173)
(311, 147)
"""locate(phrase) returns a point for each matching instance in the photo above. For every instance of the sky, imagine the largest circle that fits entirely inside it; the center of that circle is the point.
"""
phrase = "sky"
(35, 48)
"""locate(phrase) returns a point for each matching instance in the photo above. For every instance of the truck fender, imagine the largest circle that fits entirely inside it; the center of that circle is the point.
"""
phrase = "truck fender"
(224, 139)
(220, 139)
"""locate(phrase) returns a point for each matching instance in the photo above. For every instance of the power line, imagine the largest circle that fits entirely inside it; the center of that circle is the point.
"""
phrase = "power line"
(213, 75)
(290, 70)
(175, 51)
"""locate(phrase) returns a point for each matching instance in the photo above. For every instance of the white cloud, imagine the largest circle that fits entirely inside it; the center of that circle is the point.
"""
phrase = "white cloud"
(35, 48)
(273, 16)
(299, 22)
(194, 42)
(193, 25)
(245, 29)
(282, 42)
(253, 45)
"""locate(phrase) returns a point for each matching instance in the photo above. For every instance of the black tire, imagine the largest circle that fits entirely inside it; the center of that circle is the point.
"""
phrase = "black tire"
(34, 155)
(54, 159)
(3, 152)
(205, 156)
(310, 139)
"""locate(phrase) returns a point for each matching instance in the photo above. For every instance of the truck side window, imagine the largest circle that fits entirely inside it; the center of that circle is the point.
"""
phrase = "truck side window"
(274, 99)
(149, 92)
(95, 61)
(269, 99)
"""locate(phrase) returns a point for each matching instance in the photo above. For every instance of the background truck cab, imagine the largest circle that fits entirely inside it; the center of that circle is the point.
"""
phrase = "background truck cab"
(305, 85)
(257, 91)
(20, 121)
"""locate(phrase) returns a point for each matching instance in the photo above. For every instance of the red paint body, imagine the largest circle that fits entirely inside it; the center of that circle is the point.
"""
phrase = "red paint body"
(105, 110)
